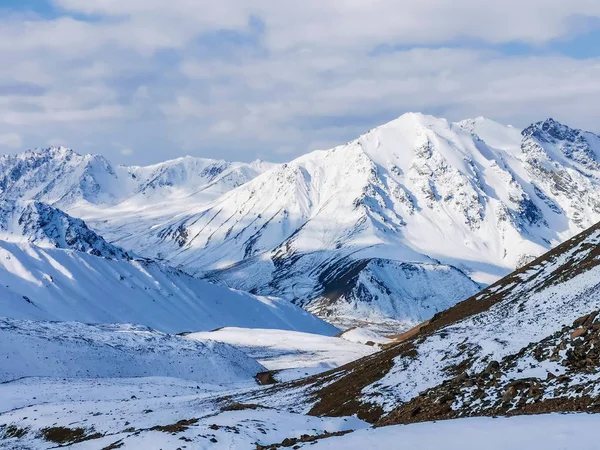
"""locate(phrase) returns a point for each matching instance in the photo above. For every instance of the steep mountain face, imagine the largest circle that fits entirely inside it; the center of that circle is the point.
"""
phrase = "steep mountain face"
(58, 176)
(378, 291)
(119, 202)
(43, 225)
(475, 198)
(526, 344)
(63, 285)
(366, 231)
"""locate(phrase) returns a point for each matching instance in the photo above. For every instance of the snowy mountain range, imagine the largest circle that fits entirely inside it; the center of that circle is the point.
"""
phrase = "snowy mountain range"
(371, 231)
(112, 339)
(65, 179)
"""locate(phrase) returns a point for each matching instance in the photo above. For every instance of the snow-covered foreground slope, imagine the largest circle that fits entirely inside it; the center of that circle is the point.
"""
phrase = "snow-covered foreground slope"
(144, 413)
(335, 226)
(544, 299)
(52, 284)
(75, 350)
(289, 353)
(167, 414)
(547, 432)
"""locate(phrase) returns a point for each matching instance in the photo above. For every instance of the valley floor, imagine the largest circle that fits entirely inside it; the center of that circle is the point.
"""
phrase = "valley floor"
(290, 354)
(168, 413)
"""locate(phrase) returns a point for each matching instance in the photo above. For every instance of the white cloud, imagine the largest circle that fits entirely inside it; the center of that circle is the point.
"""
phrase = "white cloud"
(356, 22)
(126, 152)
(150, 73)
(11, 141)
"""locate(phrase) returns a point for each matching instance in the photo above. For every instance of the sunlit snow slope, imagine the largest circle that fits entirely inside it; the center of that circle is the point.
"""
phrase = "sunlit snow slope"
(76, 350)
(52, 284)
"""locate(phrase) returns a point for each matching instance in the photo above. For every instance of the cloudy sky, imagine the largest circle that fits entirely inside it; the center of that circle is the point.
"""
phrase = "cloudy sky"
(142, 81)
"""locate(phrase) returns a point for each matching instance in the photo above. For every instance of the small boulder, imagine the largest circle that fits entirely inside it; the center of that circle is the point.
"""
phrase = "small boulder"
(492, 367)
(578, 332)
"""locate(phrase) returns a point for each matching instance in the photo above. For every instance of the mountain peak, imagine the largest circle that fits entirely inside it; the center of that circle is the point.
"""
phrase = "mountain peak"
(550, 130)
(52, 151)
(419, 119)
(38, 223)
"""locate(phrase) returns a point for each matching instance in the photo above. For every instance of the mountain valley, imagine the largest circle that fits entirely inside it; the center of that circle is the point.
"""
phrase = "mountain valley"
(425, 281)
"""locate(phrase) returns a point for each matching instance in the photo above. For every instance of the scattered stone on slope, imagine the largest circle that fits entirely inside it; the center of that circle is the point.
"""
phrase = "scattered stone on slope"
(559, 373)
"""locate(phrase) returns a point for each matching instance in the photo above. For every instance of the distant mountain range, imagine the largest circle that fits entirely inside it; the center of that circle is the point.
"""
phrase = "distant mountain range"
(389, 229)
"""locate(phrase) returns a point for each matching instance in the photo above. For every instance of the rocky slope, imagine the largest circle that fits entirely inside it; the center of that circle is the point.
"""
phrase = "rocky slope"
(43, 225)
(558, 373)
(528, 343)
(384, 295)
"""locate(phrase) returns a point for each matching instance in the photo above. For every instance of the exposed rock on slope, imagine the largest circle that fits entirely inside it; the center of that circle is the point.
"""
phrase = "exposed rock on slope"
(374, 292)
(558, 373)
(466, 358)
(43, 225)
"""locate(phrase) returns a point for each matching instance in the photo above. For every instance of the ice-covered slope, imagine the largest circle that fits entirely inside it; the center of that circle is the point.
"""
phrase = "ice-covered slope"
(43, 225)
(76, 350)
(539, 319)
(417, 190)
(53, 284)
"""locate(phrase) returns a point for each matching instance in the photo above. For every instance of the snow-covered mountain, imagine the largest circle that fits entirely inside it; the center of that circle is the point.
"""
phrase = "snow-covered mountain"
(65, 179)
(382, 294)
(369, 230)
(63, 285)
(43, 225)
(468, 201)
(527, 344)
(119, 202)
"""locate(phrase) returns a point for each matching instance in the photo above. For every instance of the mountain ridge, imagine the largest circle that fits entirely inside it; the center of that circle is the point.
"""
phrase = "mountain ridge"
(474, 197)
(387, 195)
